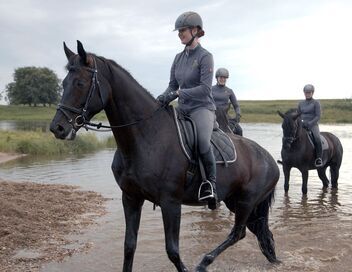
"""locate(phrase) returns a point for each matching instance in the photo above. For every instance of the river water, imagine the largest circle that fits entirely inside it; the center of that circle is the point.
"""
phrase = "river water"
(312, 233)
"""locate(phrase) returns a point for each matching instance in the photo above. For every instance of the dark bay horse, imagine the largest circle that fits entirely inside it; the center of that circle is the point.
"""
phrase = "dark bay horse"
(150, 164)
(227, 125)
(297, 151)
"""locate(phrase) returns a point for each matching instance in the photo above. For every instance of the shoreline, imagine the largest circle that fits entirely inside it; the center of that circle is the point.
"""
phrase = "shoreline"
(5, 157)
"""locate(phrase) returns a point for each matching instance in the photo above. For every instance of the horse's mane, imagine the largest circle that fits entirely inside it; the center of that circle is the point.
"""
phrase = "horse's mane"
(111, 63)
(292, 110)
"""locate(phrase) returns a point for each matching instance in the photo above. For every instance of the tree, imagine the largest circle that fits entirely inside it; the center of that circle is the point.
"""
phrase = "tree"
(33, 86)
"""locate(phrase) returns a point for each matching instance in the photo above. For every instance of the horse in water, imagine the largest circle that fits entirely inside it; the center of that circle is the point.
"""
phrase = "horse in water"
(150, 164)
(298, 151)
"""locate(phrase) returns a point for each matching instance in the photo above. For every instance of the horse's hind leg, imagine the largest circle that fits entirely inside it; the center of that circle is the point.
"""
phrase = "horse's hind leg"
(238, 232)
(258, 224)
(171, 212)
(322, 176)
(132, 207)
(334, 172)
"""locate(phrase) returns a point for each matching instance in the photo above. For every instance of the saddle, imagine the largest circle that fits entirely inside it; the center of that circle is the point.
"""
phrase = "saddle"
(324, 142)
(223, 147)
(221, 144)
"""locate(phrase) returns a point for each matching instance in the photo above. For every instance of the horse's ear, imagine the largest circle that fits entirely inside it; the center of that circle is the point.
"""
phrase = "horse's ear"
(68, 52)
(281, 114)
(81, 52)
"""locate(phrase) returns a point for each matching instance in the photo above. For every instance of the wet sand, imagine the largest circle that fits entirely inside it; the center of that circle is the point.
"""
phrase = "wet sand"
(36, 220)
(5, 157)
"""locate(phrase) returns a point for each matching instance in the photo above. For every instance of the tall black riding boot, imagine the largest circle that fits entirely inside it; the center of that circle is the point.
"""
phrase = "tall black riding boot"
(209, 163)
(318, 152)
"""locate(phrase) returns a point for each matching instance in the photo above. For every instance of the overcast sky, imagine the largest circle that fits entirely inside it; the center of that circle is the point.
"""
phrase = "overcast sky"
(271, 48)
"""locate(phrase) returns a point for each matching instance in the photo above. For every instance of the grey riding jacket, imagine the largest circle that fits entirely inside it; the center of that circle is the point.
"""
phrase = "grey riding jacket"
(222, 95)
(310, 111)
(192, 73)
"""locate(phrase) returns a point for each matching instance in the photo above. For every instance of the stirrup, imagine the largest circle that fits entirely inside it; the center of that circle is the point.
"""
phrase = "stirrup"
(207, 196)
(318, 162)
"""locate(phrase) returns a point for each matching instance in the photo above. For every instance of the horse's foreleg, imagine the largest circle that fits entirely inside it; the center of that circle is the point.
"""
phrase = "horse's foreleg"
(172, 218)
(323, 177)
(132, 207)
(286, 170)
(304, 181)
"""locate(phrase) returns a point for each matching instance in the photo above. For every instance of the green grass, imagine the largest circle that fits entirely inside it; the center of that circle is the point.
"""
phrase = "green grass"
(334, 111)
(41, 143)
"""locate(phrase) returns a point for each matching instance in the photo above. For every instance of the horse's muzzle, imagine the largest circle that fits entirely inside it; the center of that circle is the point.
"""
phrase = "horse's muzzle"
(61, 132)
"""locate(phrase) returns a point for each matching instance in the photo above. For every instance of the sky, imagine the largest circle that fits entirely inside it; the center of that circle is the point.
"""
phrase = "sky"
(271, 48)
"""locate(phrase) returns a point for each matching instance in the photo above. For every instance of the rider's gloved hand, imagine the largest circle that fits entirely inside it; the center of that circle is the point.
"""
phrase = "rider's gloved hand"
(305, 125)
(238, 118)
(165, 99)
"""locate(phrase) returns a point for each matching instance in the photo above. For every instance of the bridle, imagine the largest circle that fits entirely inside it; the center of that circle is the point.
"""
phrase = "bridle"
(293, 137)
(81, 120)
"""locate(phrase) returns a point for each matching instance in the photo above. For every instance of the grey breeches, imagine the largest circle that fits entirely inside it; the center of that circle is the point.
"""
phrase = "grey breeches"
(316, 134)
(205, 120)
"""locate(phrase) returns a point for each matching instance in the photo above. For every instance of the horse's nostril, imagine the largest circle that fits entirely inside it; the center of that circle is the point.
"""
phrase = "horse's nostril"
(60, 128)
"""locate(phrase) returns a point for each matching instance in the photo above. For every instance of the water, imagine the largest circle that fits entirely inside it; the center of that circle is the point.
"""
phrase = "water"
(312, 233)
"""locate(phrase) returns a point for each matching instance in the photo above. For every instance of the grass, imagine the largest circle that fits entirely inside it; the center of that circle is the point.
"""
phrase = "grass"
(334, 111)
(43, 143)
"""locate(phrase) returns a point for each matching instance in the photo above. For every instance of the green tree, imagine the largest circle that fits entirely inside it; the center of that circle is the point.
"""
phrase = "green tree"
(33, 86)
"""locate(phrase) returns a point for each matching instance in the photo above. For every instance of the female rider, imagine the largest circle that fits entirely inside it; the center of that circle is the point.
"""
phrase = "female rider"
(190, 80)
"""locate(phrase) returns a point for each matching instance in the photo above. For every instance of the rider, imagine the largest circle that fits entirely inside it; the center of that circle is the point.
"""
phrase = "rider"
(190, 80)
(310, 113)
(225, 96)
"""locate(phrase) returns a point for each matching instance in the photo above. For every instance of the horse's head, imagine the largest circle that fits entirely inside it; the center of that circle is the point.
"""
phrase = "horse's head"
(83, 94)
(290, 127)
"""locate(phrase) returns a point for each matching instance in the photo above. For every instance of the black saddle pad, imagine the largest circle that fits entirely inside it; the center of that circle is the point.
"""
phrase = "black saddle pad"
(223, 147)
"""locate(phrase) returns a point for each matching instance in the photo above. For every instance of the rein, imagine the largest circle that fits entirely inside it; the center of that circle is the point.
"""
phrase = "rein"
(81, 120)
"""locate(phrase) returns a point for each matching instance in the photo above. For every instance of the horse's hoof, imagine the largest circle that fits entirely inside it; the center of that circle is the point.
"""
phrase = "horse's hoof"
(200, 269)
(276, 262)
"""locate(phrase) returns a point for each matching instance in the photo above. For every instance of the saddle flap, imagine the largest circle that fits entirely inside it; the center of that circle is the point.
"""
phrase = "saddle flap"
(223, 147)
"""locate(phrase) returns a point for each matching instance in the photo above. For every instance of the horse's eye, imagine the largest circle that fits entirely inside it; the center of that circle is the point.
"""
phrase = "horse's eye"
(80, 84)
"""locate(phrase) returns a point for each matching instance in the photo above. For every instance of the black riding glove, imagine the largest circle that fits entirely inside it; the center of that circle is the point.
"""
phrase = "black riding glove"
(305, 125)
(165, 99)
(238, 118)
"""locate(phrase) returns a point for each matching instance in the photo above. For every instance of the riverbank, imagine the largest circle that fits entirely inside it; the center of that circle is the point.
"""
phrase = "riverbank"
(253, 111)
(37, 219)
(5, 157)
(44, 143)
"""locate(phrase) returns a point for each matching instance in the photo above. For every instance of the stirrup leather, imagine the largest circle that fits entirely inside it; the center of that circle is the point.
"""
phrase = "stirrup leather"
(202, 189)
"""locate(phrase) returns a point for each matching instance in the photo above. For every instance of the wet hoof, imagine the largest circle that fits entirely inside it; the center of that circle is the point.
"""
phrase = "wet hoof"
(275, 261)
(200, 269)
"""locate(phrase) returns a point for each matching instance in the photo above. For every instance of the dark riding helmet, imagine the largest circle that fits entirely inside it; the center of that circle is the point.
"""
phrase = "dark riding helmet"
(308, 88)
(190, 19)
(222, 72)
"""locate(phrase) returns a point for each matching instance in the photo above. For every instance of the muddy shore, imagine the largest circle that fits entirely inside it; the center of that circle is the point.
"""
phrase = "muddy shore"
(37, 219)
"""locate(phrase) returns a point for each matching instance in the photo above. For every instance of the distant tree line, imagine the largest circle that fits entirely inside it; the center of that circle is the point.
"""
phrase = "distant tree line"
(34, 86)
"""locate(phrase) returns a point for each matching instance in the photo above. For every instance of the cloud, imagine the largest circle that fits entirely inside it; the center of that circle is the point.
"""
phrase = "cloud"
(271, 48)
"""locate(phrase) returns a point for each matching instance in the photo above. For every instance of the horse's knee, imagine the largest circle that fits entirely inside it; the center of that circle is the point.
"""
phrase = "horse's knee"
(173, 254)
(130, 248)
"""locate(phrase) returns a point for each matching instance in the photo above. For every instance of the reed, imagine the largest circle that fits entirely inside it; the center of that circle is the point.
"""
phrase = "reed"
(44, 143)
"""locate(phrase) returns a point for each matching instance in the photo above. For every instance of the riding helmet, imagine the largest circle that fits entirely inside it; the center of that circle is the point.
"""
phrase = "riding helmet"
(308, 88)
(190, 19)
(222, 72)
